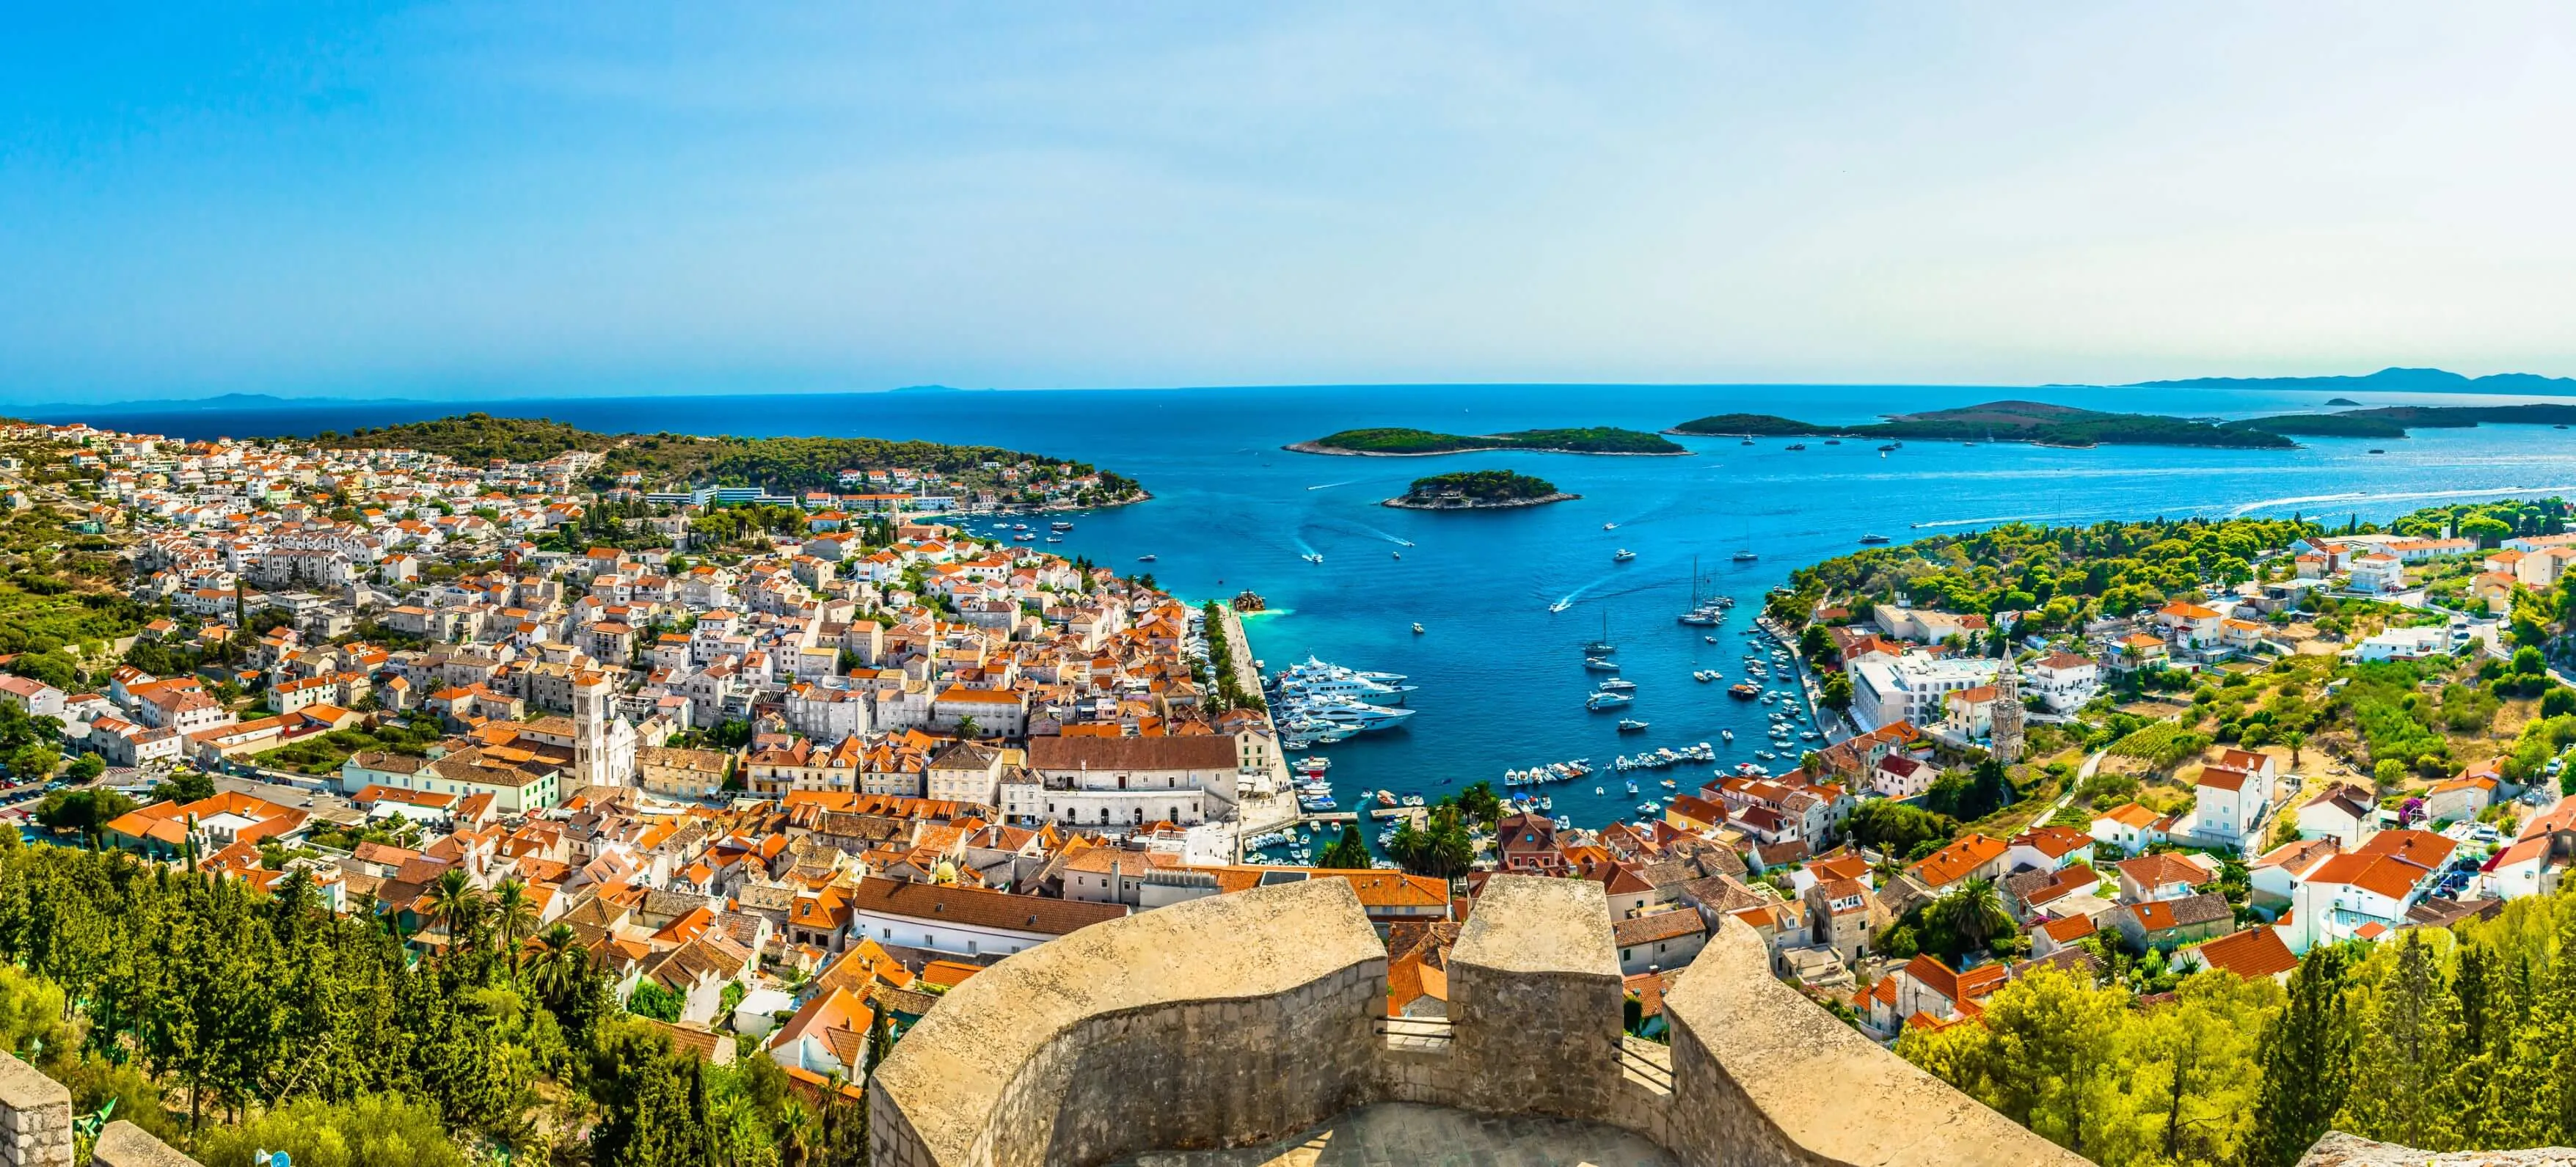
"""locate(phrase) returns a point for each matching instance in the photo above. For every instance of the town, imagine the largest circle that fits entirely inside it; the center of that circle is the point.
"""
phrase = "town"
(783, 770)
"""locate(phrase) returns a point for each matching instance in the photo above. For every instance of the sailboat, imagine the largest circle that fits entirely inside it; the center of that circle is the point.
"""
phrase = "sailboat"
(1602, 647)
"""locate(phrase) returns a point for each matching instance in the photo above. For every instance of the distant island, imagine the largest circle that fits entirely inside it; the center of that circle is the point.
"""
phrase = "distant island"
(2392, 421)
(2389, 380)
(2005, 421)
(1471, 490)
(1398, 442)
(2341, 401)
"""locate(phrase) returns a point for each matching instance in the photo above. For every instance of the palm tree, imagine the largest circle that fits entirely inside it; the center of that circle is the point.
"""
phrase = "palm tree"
(556, 967)
(2294, 739)
(514, 914)
(1974, 913)
(455, 902)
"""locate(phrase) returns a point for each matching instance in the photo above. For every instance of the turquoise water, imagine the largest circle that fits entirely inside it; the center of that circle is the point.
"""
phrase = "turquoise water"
(1502, 678)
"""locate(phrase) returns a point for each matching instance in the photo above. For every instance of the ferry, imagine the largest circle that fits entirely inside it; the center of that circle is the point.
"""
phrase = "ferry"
(1622, 555)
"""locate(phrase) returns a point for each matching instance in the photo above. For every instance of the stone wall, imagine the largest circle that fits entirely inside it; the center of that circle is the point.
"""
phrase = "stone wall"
(36, 1127)
(35, 1117)
(1763, 1076)
(1245, 1018)
(2338, 1149)
(1234, 1019)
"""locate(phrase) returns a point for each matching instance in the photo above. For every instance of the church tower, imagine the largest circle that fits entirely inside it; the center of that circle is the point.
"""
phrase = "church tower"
(2007, 712)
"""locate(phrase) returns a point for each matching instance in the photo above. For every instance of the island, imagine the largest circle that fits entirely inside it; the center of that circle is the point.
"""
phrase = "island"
(1477, 490)
(2397, 380)
(976, 477)
(2341, 401)
(2004, 421)
(1400, 442)
(2393, 421)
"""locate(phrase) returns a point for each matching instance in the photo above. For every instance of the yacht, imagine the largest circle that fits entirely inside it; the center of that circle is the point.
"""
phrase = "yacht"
(1417, 628)
(1704, 674)
(1598, 665)
(1631, 725)
(1055, 538)
(1622, 555)
(1060, 525)
(1356, 714)
(1609, 526)
(1619, 685)
(1600, 701)
(1146, 558)
(1726, 734)
(1747, 556)
(1873, 539)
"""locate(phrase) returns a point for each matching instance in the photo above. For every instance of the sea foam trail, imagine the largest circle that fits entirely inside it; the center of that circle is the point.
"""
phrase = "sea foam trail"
(1383, 535)
(2400, 496)
(1330, 485)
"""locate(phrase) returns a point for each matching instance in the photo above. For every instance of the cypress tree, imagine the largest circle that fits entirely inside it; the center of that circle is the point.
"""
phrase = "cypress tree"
(2307, 1063)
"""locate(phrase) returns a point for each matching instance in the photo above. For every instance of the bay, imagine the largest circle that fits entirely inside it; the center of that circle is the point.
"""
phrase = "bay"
(1502, 680)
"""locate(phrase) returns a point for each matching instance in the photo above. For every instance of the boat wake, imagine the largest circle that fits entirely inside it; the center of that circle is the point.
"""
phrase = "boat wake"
(1330, 485)
(2398, 496)
(1383, 535)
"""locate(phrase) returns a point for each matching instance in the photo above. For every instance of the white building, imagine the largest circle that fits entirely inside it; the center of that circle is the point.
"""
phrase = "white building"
(1124, 781)
(1913, 688)
(2062, 681)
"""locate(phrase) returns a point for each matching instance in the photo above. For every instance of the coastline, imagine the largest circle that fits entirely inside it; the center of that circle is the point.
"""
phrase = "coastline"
(1997, 440)
(1336, 451)
(1401, 503)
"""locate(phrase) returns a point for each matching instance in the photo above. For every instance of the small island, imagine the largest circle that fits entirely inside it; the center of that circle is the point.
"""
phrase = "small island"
(1476, 490)
(2035, 422)
(2341, 401)
(1401, 442)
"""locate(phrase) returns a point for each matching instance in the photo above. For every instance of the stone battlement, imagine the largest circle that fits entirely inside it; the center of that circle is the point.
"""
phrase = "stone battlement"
(36, 1127)
(1241, 1019)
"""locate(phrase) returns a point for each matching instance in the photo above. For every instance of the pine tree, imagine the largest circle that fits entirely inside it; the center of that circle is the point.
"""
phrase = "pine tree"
(2411, 1037)
(1348, 853)
(2307, 1063)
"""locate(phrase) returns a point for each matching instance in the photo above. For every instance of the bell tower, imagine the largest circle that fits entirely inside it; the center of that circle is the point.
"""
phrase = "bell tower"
(2007, 712)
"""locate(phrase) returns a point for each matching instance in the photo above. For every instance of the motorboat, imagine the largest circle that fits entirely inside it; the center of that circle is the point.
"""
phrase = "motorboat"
(1024, 537)
(1619, 685)
(1397, 554)
(1631, 725)
(1622, 555)
(1417, 628)
(1710, 639)
(1055, 539)
(1615, 526)
(1147, 558)
(1746, 690)
(1872, 539)
(1313, 557)
(1726, 734)
(1795, 446)
(1060, 525)
(1704, 675)
(1600, 701)
(1747, 556)
(1560, 605)
(1598, 665)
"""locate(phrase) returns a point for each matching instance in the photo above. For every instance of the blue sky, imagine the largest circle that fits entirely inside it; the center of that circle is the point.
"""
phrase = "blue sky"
(526, 198)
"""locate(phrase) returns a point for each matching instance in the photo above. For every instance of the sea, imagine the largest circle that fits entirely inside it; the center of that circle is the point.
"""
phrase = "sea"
(1500, 674)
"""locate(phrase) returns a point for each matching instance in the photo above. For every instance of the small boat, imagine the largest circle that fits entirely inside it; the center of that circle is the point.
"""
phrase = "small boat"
(1872, 539)
(1055, 538)
(1024, 537)
(1747, 442)
(1060, 525)
(1598, 665)
(1622, 555)
(1560, 605)
(1619, 685)
(1630, 725)
(1397, 554)
(1146, 558)
(1887, 447)
(1747, 690)
(2379, 451)
(1313, 557)
(1600, 701)
(1417, 628)
(1710, 639)
(1746, 556)
(1615, 526)
(1833, 441)
(1704, 675)
(1795, 446)
(1727, 734)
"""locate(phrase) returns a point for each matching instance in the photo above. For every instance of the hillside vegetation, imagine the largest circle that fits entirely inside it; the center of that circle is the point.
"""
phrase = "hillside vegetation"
(779, 464)
(1478, 488)
(2393, 421)
(1584, 440)
(2008, 421)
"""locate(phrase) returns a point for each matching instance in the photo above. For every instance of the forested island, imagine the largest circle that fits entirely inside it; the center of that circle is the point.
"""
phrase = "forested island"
(1397, 441)
(782, 465)
(1478, 490)
(2004, 421)
(2388, 380)
(2393, 421)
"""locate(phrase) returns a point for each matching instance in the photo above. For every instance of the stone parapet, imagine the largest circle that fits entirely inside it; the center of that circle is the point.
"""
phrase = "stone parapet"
(1535, 994)
(2338, 1149)
(35, 1117)
(1229, 1020)
(124, 1144)
(1761, 1076)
